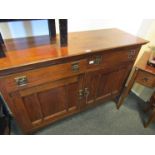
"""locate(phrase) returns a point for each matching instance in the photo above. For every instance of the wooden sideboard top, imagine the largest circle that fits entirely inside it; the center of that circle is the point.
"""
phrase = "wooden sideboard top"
(33, 50)
(142, 63)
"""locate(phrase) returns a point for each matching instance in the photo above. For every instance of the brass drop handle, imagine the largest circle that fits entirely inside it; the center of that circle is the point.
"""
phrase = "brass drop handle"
(81, 93)
(95, 61)
(145, 79)
(98, 60)
(21, 81)
(75, 67)
(86, 92)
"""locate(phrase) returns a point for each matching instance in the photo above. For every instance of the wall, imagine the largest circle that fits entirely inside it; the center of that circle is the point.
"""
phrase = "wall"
(39, 27)
(147, 31)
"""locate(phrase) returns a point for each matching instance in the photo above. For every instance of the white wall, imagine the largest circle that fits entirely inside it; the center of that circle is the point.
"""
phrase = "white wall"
(39, 27)
(131, 26)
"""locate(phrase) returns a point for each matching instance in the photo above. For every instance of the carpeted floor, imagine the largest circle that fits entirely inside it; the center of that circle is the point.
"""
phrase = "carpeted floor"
(104, 119)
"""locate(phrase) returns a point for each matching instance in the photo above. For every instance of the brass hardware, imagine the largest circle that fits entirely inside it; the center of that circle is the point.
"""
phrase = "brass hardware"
(145, 79)
(95, 61)
(75, 67)
(86, 92)
(81, 93)
(131, 54)
(91, 62)
(98, 60)
(21, 81)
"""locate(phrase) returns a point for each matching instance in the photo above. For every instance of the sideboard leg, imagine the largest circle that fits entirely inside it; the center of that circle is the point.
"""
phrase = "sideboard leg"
(126, 90)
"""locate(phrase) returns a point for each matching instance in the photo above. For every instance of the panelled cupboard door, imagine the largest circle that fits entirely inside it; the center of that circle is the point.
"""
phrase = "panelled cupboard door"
(102, 84)
(110, 83)
(90, 88)
(48, 101)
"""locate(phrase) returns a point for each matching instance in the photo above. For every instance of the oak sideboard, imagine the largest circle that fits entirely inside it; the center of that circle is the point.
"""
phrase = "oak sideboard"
(43, 82)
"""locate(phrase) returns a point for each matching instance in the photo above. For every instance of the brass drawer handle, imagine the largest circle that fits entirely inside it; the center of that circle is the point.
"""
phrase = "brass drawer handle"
(95, 61)
(86, 92)
(98, 60)
(145, 79)
(21, 81)
(75, 67)
(91, 62)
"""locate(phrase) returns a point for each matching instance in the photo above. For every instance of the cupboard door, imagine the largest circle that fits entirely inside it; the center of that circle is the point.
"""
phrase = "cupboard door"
(102, 84)
(120, 78)
(48, 101)
(111, 83)
(90, 88)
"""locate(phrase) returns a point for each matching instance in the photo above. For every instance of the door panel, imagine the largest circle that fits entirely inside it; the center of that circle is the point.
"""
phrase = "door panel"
(33, 110)
(91, 83)
(112, 82)
(48, 101)
(73, 100)
(53, 101)
(103, 83)
(120, 78)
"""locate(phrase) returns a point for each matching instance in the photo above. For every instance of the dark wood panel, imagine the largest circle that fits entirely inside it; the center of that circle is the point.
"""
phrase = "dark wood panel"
(103, 83)
(20, 112)
(33, 108)
(111, 83)
(120, 78)
(72, 96)
(53, 101)
(91, 83)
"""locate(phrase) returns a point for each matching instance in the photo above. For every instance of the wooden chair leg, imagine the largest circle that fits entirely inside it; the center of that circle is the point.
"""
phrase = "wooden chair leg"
(151, 119)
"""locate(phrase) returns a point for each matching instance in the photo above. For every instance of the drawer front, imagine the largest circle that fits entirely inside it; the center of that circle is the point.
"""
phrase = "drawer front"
(145, 79)
(46, 74)
(112, 58)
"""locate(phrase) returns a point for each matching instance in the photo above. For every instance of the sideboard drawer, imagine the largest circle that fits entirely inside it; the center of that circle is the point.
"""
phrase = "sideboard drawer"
(145, 79)
(42, 75)
(112, 58)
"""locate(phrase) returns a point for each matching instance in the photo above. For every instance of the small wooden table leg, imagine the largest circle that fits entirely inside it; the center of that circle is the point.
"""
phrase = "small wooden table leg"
(127, 89)
(151, 106)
